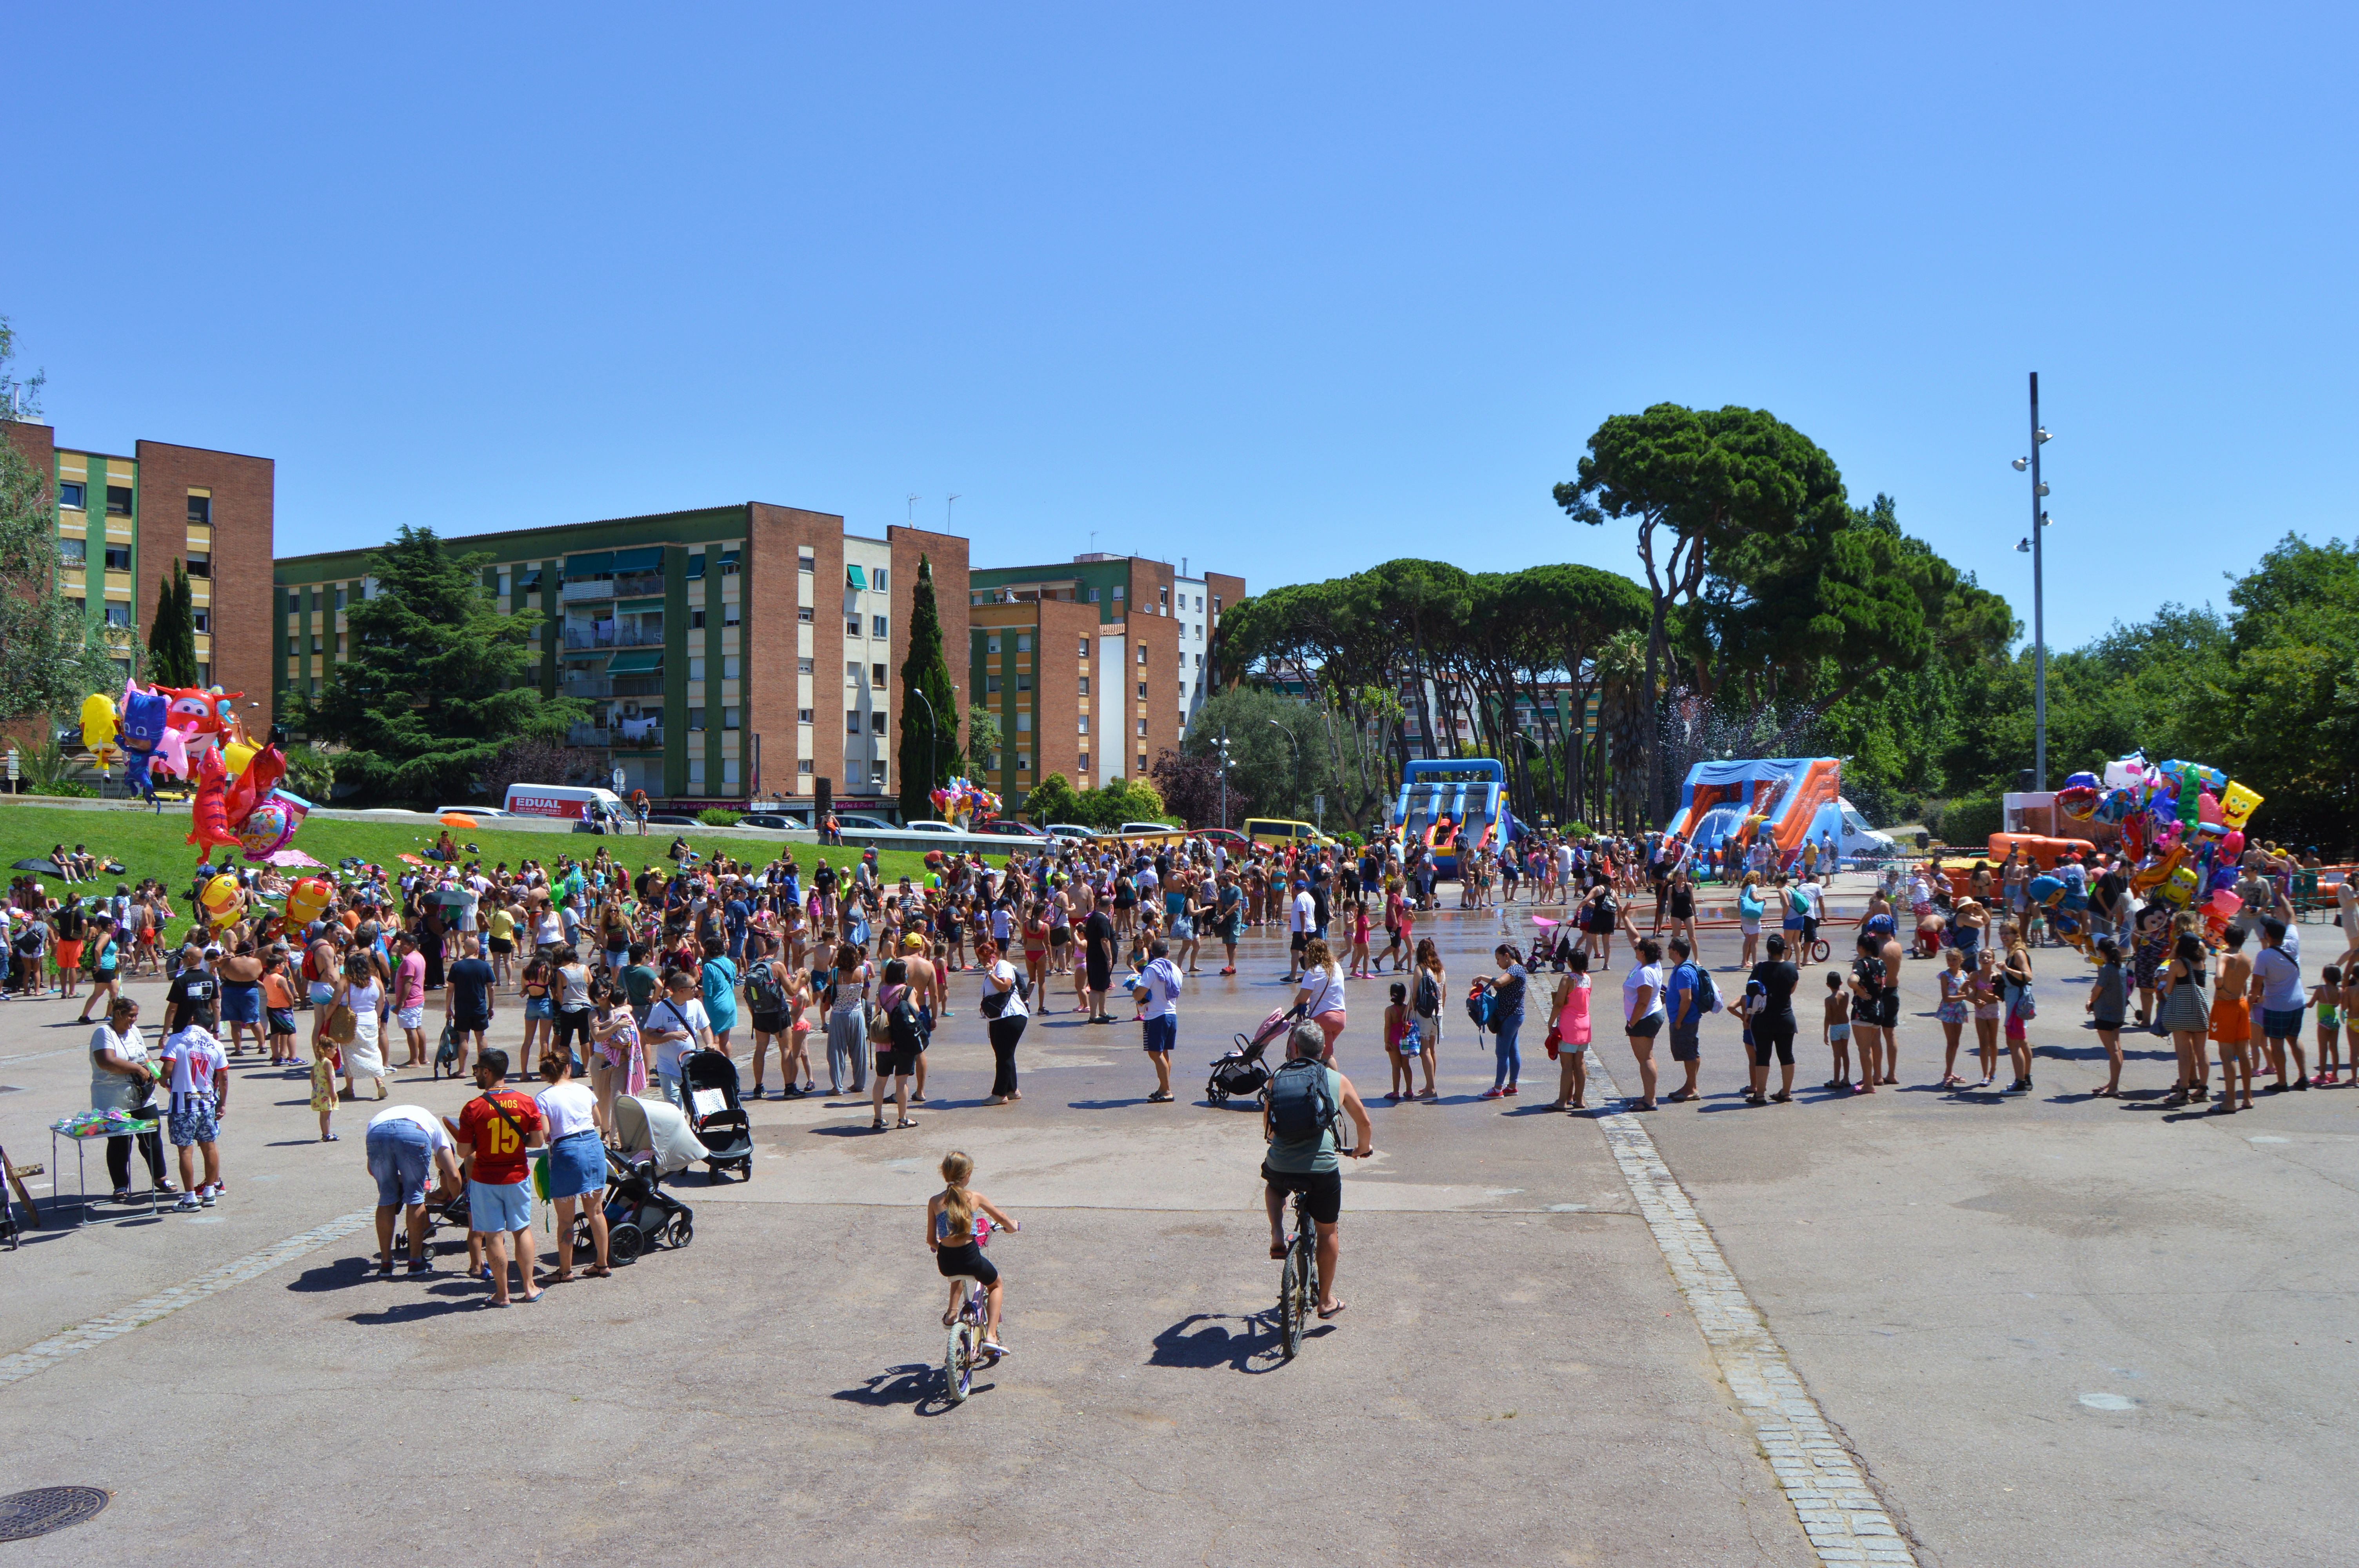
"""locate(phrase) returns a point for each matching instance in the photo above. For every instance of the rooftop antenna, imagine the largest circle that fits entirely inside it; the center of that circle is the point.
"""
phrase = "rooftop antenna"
(1093, 541)
(911, 515)
(946, 513)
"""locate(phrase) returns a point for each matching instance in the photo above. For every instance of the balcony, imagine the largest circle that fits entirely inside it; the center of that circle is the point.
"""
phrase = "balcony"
(620, 735)
(638, 584)
(587, 686)
(580, 590)
(582, 640)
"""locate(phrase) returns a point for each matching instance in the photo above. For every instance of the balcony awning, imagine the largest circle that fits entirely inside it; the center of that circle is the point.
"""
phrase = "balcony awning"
(637, 662)
(854, 577)
(637, 606)
(647, 560)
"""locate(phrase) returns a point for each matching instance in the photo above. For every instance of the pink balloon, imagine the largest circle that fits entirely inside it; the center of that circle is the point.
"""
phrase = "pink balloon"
(2207, 808)
(2233, 843)
(2225, 904)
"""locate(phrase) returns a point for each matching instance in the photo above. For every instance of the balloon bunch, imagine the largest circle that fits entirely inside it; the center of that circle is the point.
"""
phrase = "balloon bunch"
(194, 733)
(962, 803)
(2182, 823)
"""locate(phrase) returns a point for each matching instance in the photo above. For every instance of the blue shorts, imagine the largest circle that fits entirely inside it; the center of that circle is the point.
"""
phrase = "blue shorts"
(2282, 1025)
(194, 1120)
(1163, 1033)
(576, 1164)
(240, 1004)
(492, 1208)
(538, 1007)
(400, 1154)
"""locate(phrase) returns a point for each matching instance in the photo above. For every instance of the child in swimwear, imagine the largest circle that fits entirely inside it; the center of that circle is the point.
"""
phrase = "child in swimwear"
(1837, 1015)
(2327, 996)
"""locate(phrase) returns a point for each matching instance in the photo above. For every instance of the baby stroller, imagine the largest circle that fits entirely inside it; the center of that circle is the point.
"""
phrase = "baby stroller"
(708, 1090)
(639, 1213)
(1240, 1072)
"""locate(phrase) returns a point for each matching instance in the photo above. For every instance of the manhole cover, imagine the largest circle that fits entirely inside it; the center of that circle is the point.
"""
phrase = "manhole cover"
(24, 1515)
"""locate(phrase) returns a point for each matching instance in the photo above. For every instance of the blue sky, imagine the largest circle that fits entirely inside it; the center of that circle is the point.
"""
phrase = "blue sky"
(1285, 290)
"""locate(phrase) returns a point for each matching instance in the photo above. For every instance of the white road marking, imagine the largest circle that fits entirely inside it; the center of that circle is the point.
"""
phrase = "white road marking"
(1831, 1494)
(98, 1330)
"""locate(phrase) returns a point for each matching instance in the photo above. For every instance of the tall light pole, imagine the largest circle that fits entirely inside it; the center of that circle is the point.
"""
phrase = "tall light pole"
(933, 741)
(1298, 755)
(1221, 748)
(2038, 594)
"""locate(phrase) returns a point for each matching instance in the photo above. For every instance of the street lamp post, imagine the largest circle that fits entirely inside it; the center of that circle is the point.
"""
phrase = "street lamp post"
(2040, 439)
(1221, 748)
(1290, 740)
(933, 741)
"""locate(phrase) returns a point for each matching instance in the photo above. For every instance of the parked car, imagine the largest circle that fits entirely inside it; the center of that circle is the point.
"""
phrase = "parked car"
(928, 825)
(480, 812)
(1001, 828)
(1149, 827)
(1070, 830)
(1228, 838)
(673, 819)
(770, 819)
(860, 822)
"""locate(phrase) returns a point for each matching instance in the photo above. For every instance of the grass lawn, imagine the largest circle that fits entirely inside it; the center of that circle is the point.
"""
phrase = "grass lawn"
(150, 845)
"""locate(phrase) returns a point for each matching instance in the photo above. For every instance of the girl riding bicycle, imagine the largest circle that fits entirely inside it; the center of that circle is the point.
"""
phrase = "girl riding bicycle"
(957, 1239)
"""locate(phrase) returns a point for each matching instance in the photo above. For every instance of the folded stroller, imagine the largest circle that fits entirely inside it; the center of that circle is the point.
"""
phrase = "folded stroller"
(1240, 1072)
(707, 1092)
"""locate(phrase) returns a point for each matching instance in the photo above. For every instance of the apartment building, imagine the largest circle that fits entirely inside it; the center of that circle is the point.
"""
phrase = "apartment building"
(701, 640)
(1092, 666)
(123, 520)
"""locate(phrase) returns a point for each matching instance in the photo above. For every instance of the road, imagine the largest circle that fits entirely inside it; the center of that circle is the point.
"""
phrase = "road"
(2047, 1329)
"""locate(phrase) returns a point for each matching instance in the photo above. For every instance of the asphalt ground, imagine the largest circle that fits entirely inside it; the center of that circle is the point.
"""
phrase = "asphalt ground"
(2050, 1328)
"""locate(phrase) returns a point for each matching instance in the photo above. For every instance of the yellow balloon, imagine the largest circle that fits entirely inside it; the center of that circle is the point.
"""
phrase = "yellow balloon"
(97, 721)
(235, 756)
(219, 898)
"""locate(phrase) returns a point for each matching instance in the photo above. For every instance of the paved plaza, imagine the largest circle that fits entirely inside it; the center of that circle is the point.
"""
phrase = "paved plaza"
(1923, 1326)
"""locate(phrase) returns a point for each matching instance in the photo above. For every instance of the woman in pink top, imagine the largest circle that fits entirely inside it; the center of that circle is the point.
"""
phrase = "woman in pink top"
(1571, 1009)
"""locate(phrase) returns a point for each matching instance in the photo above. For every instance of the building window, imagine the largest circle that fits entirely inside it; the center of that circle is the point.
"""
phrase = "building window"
(1163, 596)
(806, 563)
(1216, 607)
(878, 584)
(804, 765)
(1142, 691)
(876, 625)
(120, 615)
(1023, 724)
(1142, 761)
(119, 501)
(852, 625)
(696, 718)
(1024, 642)
(728, 563)
(802, 667)
(990, 685)
(70, 496)
(1142, 729)
(200, 510)
(729, 718)
(802, 715)
(203, 621)
(1084, 685)
(81, 606)
(696, 669)
(1023, 682)
(804, 614)
(74, 552)
(1093, 596)
(1085, 724)
(876, 673)
(1142, 658)
(201, 563)
(319, 643)
(294, 647)
(852, 672)
(876, 722)
(728, 615)
(851, 721)
(729, 666)
(1085, 647)
(1117, 590)
(876, 775)
(1023, 762)
(118, 558)
(1199, 661)
(991, 644)
(1085, 762)
(696, 620)
(696, 567)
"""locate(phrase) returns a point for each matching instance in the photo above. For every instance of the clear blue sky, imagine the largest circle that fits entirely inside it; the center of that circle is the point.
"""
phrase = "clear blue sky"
(1286, 289)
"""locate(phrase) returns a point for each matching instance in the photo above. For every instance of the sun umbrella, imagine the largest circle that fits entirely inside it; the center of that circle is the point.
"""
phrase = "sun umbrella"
(457, 819)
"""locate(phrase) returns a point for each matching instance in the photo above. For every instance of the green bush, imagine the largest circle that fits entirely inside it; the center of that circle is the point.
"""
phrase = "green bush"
(64, 787)
(714, 817)
(1967, 822)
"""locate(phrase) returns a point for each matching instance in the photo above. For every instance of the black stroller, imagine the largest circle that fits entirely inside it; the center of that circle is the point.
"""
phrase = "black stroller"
(707, 1092)
(1239, 1073)
(639, 1213)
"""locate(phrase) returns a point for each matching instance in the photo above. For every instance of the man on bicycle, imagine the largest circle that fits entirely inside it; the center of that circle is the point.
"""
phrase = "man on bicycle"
(1299, 1116)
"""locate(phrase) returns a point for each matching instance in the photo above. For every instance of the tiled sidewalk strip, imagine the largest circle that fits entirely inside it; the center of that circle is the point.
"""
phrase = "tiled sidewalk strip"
(1831, 1498)
(98, 1330)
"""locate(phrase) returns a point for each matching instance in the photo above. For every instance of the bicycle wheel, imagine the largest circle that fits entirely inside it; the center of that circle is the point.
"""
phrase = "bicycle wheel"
(1819, 951)
(1289, 1306)
(958, 1361)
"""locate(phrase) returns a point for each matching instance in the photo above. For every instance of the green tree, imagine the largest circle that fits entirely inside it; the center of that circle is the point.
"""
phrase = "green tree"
(1699, 481)
(439, 681)
(930, 742)
(172, 635)
(51, 656)
(1053, 799)
(983, 735)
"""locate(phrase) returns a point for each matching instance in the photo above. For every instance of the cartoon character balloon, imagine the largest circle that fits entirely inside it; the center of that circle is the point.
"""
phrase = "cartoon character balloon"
(308, 900)
(98, 727)
(219, 899)
(144, 721)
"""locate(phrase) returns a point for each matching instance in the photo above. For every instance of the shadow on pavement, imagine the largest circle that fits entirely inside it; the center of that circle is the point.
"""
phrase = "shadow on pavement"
(461, 1295)
(341, 1274)
(914, 1384)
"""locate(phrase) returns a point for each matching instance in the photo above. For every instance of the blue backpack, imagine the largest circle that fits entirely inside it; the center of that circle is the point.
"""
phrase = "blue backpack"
(1479, 1006)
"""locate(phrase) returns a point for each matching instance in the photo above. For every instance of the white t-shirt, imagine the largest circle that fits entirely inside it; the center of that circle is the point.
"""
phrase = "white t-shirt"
(665, 1013)
(1161, 981)
(1817, 898)
(437, 1134)
(1644, 975)
(1003, 972)
(112, 1091)
(2282, 988)
(1326, 988)
(195, 1056)
(568, 1107)
(1304, 913)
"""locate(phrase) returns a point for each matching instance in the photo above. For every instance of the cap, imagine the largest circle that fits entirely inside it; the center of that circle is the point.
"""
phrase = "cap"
(912, 942)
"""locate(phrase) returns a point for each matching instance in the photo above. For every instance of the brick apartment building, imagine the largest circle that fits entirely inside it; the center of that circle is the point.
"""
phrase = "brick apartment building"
(1093, 666)
(123, 520)
(701, 641)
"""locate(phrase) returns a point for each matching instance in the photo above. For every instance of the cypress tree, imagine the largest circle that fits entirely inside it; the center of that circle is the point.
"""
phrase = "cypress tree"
(929, 751)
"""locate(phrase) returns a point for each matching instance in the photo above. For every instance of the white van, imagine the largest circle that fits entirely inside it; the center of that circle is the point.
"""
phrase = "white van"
(602, 809)
(1858, 842)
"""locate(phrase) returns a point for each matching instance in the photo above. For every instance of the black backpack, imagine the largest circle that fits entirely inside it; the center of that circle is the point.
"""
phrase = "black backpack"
(902, 1022)
(764, 992)
(1301, 1108)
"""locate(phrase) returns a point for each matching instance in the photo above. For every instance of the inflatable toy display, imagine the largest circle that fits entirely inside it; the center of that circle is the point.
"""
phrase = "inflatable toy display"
(963, 803)
(194, 734)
